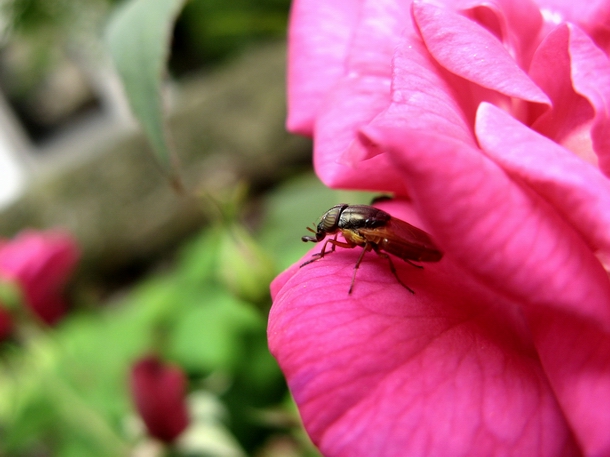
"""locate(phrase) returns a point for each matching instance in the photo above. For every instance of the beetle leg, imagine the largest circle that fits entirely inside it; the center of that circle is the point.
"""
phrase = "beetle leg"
(367, 247)
(331, 241)
(316, 256)
(320, 254)
(334, 243)
(323, 251)
(383, 254)
(342, 244)
(413, 264)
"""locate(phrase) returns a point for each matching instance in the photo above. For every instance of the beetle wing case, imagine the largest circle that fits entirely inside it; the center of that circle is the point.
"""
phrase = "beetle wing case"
(404, 240)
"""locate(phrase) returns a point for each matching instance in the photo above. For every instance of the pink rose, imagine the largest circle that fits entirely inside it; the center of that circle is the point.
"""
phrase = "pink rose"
(158, 391)
(489, 121)
(40, 263)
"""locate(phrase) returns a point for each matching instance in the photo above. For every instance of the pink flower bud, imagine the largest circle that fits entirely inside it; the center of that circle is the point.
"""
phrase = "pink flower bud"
(40, 263)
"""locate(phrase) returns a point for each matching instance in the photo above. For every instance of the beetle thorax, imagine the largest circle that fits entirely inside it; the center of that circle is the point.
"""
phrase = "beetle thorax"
(359, 216)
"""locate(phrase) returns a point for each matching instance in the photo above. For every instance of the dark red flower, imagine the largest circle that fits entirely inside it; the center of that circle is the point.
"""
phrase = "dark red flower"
(6, 324)
(158, 390)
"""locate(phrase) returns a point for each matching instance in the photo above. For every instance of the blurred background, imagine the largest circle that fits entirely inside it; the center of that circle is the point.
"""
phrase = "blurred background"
(133, 310)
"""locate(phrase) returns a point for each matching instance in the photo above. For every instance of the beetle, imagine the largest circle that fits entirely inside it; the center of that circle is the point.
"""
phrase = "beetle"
(372, 229)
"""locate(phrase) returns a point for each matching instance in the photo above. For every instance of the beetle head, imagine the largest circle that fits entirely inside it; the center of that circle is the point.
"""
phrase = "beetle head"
(328, 223)
(319, 236)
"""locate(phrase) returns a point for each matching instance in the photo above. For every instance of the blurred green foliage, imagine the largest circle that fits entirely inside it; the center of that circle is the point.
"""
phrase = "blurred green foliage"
(64, 392)
(206, 31)
(211, 30)
(138, 40)
(39, 38)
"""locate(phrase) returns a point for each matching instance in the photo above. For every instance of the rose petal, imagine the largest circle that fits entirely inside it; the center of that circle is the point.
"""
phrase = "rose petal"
(591, 76)
(495, 227)
(319, 36)
(379, 28)
(576, 355)
(449, 370)
(576, 76)
(592, 16)
(568, 122)
(353, 104)
(357, 98)
(516, 23)
(470, 51)
(424, 95)
(575, 188)
(502, 233)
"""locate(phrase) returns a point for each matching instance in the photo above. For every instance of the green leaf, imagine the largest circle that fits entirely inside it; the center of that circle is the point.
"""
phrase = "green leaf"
(138, 37)
(209, 336)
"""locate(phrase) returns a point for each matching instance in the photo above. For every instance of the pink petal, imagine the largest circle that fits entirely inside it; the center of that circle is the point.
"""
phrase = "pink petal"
(470, 51)
(567, 10)
(380, 25)
(576, 355)
(592, 16)
(516, 23)
(357, 98)
(424, 95)
(449, 370)
(568, 121)
(576, 76)
(502, 233)
(515, 243)
(319, 37)
(577, 190)
(591, 76)
(353, 104)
